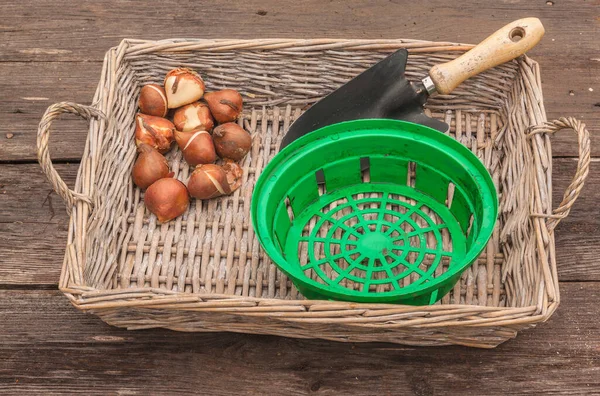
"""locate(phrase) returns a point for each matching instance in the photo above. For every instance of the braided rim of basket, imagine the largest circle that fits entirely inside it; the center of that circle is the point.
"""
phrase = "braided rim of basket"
(80, 205)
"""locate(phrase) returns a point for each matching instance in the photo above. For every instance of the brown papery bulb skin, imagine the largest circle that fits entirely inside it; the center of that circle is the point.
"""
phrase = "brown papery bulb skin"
(167, 199)
(149, 166)
(193, 116)
(183, 86)
(231, 141)
(208, 181)
(197, 147)
(225, 105)
(154, 131)
(153, 100)
(234, 174)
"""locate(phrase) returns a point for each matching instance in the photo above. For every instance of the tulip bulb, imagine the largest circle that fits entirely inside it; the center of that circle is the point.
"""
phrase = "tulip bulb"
(234, 174)
(225, 105)
(193, 116)
(149, 166)
(167, 199)
(155, 131)
(231, 141)
(153, 100)
(197, 147)
(208, 181)
(183, 86)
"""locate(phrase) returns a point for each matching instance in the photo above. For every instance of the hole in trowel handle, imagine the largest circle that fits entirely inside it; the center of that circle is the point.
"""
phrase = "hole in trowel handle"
(516, 34)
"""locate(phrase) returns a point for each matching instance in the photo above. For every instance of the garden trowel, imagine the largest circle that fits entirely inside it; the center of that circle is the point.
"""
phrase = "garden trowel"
(383, 90)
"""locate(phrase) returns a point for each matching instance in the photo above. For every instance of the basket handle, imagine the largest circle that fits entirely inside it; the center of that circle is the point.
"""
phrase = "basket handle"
(52, 112)
(583, 166)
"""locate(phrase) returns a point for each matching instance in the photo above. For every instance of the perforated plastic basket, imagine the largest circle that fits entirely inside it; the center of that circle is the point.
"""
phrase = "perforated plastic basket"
(403, 211)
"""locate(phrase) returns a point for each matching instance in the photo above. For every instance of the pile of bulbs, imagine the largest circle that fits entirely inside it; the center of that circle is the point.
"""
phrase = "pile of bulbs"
(193, 128)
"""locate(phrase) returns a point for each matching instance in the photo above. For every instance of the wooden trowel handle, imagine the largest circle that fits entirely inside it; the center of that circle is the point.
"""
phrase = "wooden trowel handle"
(506, 44)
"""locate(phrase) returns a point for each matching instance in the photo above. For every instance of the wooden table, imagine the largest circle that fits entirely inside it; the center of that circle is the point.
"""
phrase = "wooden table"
(52, 51)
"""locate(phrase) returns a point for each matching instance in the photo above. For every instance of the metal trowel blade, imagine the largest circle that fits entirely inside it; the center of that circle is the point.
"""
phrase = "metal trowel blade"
(382, 91)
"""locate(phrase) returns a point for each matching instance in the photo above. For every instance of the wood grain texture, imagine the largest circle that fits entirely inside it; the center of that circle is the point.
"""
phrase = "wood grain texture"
(24, 96)
(41, 84)
(105, 22)
(35, 73)
(33, 224)
(49, 346)
(578, 236)
(505, 44)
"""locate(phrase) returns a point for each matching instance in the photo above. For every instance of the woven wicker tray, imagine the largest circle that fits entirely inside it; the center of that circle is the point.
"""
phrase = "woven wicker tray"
(206, 271)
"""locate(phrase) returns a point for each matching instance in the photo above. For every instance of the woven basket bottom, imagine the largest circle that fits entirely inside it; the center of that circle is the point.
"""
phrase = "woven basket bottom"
(228, 259)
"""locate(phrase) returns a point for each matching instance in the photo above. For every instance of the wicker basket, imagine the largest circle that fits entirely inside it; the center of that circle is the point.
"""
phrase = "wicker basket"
(206, 272)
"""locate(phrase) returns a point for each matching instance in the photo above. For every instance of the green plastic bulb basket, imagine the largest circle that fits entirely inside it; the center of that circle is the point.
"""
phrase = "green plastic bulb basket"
(374, 211)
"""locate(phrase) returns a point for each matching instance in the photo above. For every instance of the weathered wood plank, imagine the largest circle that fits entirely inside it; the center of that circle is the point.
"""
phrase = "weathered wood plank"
(578, 236)
(86, 30)
(25, 96)
(569, 63)
(33, 225)
(49, 346)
